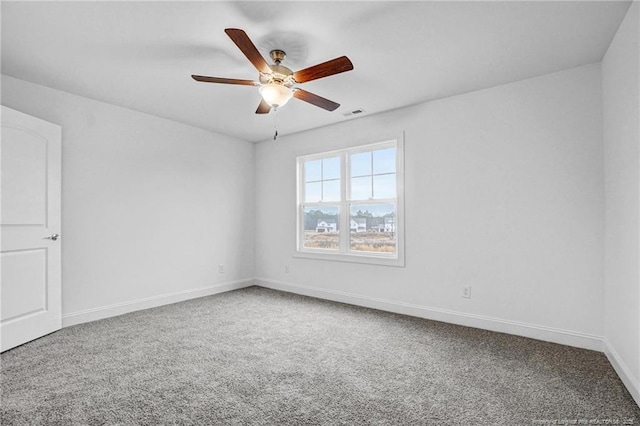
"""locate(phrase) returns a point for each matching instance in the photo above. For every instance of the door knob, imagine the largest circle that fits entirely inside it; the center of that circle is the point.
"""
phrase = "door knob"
(52, 237)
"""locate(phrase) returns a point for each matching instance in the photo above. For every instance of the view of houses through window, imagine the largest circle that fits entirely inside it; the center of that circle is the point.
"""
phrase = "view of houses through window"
(321, 228)
(353, 190)
(373, 228)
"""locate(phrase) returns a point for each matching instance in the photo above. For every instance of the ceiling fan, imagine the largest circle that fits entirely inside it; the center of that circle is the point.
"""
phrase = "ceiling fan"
(277, 83)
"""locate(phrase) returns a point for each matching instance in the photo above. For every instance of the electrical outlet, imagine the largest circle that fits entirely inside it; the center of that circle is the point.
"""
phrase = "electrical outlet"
(221, 268)
(466, 291)
(286, 269)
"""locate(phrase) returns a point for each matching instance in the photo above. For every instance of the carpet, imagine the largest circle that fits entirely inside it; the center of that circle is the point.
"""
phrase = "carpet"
(256, 356)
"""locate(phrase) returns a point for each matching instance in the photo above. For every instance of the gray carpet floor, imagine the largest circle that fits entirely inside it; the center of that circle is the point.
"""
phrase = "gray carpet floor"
(261, 357)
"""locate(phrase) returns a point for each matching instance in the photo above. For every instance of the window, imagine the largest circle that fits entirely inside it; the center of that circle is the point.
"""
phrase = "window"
(349, 204)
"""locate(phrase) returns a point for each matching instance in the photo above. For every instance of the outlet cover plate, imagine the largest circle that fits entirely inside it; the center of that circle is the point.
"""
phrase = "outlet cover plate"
(466, 291)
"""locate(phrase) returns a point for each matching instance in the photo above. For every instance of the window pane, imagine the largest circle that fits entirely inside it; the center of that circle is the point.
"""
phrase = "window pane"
(361, 188)
(331, 168)
(384, 186)
(312, 192)
(361, 164)
(331, 190)
(312, 170)
(321, 227)
(372, 228)
(384, 161)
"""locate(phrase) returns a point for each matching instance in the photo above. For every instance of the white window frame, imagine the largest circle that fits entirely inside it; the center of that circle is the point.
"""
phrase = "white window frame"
(344, 254)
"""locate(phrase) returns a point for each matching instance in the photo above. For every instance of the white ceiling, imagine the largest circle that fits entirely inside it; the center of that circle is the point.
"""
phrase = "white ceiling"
(140, 55)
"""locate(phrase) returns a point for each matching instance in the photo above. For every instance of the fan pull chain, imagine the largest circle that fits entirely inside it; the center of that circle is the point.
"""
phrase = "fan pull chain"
(275, 123)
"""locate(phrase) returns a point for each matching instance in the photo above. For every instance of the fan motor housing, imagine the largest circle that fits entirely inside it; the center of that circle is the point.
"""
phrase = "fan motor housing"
(280, 74)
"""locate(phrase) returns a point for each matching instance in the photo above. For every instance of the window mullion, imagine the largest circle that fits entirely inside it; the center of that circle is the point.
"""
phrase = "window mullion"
(373, 195)
(376, 201)
(344, 206)
(322, 179)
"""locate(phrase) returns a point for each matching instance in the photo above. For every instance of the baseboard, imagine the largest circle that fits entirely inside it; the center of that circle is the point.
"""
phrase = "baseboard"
(564, 337)
(624, 372)
(102, 312)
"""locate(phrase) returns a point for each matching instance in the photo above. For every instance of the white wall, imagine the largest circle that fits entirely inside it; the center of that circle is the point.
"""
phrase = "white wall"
(621, 124)
(150, 207)
(504, 192)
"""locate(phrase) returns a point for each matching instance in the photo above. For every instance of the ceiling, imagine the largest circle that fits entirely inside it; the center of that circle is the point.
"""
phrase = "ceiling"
(140, 55)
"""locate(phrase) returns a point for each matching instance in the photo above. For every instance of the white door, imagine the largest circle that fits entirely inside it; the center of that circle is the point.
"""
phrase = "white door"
(30, 258)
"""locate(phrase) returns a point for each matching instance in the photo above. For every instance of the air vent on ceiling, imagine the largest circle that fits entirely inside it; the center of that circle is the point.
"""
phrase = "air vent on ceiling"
(354, 112)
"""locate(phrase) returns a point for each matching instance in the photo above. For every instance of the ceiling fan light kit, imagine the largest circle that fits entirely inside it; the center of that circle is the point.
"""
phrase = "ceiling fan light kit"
(276, 86)
(276, 95)
(277, 83)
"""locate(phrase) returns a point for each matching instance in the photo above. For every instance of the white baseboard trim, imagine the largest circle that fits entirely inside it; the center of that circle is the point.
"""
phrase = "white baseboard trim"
(624, 372)
(102, 312)
(549, 334)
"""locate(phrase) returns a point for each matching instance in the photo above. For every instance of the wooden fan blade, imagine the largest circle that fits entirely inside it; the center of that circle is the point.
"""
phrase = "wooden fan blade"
(316, 100)
(325, 69)
(206, 79)
(263, 108)
(244, 43)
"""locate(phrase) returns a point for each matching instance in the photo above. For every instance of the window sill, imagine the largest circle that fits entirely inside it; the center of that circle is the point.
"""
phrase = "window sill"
(351, 258)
